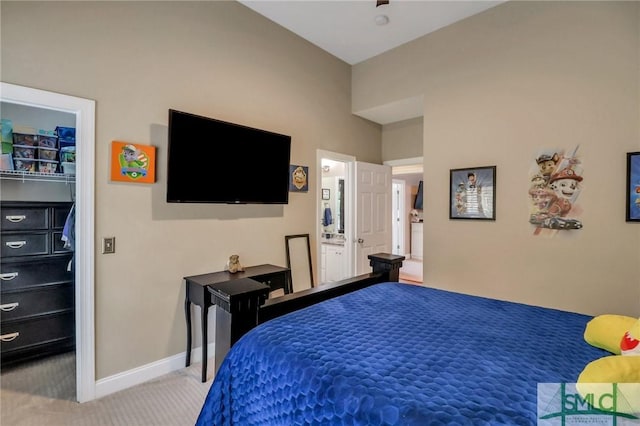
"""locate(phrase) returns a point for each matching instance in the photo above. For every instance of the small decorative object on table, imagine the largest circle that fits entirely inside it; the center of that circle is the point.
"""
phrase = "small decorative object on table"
(234, 265)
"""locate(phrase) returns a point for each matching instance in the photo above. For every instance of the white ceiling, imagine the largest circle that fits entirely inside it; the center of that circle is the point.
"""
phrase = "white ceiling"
(347, 29)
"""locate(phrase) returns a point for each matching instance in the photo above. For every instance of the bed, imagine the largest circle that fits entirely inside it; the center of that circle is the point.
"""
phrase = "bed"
(398, 354)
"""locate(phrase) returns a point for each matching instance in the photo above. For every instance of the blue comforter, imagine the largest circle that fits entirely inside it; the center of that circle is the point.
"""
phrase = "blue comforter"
(398, 354)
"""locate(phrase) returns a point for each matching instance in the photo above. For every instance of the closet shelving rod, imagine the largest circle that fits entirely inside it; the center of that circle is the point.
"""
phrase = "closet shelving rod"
(24, 176)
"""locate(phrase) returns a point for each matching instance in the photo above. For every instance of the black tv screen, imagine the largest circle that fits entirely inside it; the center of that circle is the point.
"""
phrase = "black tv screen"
(418, 202)
(213, 161)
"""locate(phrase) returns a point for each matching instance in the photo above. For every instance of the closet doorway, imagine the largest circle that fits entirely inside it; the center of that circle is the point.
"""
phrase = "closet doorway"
(407, 220)
(82, 114)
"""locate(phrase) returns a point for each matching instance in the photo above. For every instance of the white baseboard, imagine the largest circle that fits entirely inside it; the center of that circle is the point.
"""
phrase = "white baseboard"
(147, 372)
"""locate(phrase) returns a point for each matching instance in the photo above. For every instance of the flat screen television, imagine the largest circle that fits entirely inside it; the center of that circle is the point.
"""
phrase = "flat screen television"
(418, 201)
(213, 161)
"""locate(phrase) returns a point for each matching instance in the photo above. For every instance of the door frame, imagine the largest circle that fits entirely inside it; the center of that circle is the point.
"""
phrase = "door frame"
(406, 166)
(348, 208)
(84, 111)
(398, 229)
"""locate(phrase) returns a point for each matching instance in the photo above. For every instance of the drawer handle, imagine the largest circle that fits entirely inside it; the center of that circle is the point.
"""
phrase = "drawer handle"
(9, 306)
(15, 244)
(8, 276)
(9, 337)
(16, 218)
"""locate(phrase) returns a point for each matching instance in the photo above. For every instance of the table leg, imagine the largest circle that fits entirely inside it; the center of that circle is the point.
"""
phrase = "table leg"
(187, 314)
(288, 282)
(205, 310)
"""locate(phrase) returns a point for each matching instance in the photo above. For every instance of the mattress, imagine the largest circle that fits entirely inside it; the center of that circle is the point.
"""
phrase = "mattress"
(398, 354)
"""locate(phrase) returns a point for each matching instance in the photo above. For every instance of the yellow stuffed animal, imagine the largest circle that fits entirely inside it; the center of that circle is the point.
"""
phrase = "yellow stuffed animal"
(630, 343)
(599, 375)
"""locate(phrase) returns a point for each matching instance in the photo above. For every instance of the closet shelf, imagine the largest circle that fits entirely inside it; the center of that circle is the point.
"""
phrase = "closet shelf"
(36, 176)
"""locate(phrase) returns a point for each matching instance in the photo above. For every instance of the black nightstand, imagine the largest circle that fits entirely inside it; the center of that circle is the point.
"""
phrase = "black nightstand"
(235, 294)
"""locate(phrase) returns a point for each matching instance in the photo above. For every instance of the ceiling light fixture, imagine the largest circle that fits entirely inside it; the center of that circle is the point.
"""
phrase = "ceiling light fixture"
(382, 20)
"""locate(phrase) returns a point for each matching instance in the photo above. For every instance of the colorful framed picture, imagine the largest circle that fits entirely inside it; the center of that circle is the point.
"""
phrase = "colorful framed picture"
(633, 187)
(472, 193)
(299, 178)
(133, 162)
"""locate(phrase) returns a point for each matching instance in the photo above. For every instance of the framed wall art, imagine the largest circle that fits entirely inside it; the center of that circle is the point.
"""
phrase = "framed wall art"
(299, 181)
(633, 187)
(326, 194)
(472, 193)
(132, 162)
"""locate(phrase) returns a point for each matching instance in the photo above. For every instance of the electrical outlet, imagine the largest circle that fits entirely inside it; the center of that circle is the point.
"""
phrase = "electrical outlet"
(108, 245)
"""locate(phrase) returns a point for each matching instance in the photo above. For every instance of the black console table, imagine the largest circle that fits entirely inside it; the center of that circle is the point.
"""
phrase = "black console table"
(233, 293)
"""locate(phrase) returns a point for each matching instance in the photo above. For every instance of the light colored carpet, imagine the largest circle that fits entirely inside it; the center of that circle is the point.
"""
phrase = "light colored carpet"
(43, 393)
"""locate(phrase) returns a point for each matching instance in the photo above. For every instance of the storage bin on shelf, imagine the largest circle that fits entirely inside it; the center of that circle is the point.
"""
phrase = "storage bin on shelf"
(35, 150)
(20, 151)
(48, 154)
(24, 164)
(66, 136)
(6, 130)
(47, 166)
(25, 139)
(69, 168)
(30, 136)
(68, 154)
(6, 162)
(47, 141)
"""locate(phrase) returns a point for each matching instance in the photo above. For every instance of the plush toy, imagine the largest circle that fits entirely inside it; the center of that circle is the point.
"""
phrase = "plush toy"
(234, 265)
(605, 331)
(630, 343)
(599, 375)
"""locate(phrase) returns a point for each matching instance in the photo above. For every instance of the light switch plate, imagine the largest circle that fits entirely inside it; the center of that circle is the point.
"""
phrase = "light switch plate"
(108, 245)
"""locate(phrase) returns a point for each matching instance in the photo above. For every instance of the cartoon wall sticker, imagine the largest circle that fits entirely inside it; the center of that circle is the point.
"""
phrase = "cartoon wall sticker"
(133, 162)
(555, 184)
(546, 165)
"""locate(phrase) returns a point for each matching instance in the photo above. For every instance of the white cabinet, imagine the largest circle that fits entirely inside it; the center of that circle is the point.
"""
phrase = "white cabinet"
(323, 263)
(416, 240)
(335, 265)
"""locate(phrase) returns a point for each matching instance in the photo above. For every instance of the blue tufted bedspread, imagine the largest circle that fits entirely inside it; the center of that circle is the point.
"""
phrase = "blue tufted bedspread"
(398, 354)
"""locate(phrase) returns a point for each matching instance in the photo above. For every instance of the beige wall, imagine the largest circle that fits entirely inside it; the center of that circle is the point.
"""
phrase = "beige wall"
(498, 88)
(219, 59)
(402, 139)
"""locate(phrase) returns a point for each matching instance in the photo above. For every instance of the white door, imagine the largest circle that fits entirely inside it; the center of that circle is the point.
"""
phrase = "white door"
(372, 213)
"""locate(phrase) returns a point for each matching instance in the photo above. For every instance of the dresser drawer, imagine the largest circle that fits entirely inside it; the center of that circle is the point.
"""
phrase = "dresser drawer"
(16, 276)
(24, 218)
(274, 281)
(21, 334)
(60, 214)
(25, 244)
(38, 301)
(57, 245)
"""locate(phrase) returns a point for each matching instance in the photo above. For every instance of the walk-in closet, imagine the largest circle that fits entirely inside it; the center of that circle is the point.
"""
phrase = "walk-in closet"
(37, 276)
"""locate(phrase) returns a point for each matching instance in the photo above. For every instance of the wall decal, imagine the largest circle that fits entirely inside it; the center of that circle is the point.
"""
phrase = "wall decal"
(133, 162)
(555, 184)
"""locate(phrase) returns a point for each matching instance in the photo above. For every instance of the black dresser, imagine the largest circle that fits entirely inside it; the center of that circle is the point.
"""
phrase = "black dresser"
(37, 303)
